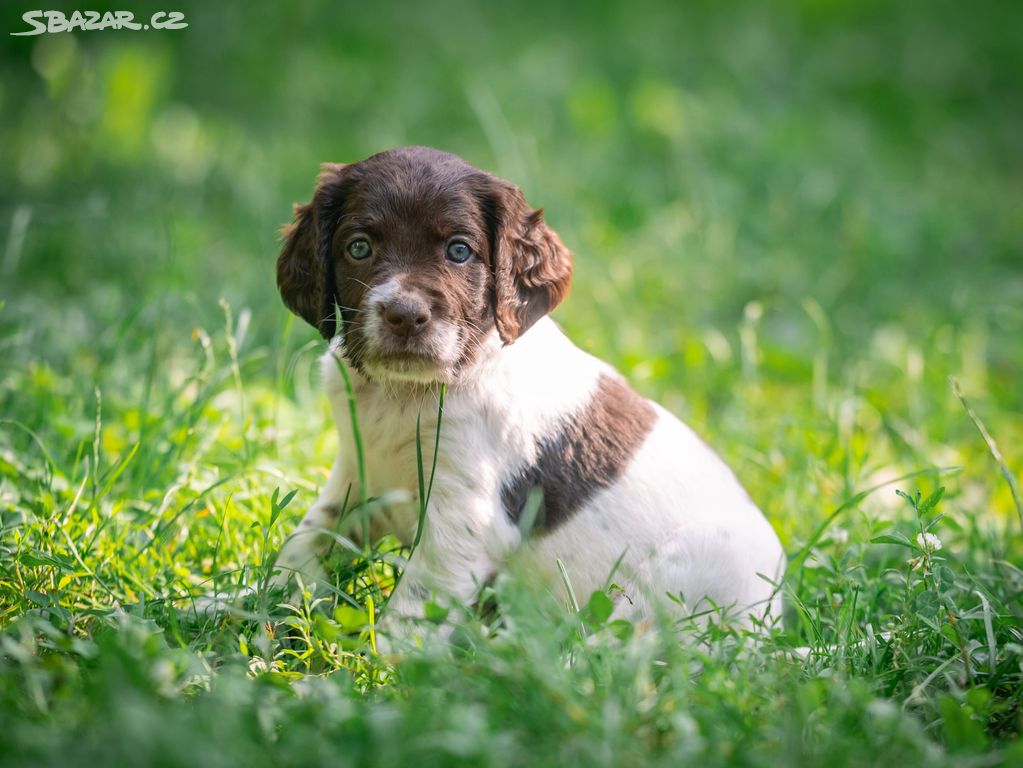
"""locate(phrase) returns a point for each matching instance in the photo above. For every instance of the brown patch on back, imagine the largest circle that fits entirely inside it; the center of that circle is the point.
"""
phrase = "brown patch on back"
(589, 453)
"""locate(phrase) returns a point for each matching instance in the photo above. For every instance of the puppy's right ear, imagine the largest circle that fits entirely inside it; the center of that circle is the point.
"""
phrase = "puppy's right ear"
(304, 269)
(297, 270)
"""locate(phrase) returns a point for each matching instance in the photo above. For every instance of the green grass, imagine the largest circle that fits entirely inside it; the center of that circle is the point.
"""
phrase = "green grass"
(793, 227)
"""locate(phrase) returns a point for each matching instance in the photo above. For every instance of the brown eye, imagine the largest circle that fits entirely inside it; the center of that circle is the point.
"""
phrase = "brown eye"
(359, 249)
(459, 252)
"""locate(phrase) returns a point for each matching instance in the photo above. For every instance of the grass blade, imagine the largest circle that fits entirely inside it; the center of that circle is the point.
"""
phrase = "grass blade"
(992, 447)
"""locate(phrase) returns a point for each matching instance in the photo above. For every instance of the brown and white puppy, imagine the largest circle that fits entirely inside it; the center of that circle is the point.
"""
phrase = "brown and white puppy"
(443, 274)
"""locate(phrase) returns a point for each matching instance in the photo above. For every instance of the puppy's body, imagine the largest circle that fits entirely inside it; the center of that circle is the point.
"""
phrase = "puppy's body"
(528, 417)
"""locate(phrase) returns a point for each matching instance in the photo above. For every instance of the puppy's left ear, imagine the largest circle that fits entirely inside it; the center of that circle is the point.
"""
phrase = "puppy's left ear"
(532, 268)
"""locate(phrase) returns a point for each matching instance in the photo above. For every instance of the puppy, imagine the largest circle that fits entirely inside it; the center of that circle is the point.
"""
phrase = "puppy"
(422, 270)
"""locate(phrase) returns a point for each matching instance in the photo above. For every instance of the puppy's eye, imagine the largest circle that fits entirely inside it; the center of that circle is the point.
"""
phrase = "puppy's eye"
(459, 252)
(359, 249)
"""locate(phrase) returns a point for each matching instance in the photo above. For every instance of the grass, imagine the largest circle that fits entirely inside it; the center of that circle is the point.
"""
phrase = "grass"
(792, 227)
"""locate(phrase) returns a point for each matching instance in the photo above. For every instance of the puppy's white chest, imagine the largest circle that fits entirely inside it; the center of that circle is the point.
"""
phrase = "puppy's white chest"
(389, 444)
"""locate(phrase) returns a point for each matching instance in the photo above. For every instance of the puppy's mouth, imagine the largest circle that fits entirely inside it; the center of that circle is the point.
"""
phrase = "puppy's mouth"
(403, 336)
(423, 359)
(404, 365)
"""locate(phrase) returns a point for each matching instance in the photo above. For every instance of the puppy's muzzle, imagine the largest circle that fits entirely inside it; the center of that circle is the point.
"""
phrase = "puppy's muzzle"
(405, 316)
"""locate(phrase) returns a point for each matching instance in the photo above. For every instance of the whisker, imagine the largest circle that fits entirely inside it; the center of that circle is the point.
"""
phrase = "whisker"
(351, 309)
(473, 325)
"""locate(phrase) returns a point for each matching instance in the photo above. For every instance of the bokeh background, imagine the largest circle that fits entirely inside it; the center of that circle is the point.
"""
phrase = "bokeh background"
(794, 194)
(793, 222)
(864, 155)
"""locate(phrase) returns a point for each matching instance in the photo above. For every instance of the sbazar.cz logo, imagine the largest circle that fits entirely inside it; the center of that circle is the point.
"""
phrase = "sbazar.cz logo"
(42, 22)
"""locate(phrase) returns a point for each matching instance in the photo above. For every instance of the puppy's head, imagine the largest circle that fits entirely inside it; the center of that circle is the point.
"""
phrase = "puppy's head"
(424, 256)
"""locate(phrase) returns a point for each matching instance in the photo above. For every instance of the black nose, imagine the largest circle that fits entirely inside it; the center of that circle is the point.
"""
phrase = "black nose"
(405, 317)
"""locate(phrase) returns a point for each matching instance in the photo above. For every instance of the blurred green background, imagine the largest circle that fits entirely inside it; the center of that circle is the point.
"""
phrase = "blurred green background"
(803, 194)
(765, 200)
(696, 156)
(792, 223)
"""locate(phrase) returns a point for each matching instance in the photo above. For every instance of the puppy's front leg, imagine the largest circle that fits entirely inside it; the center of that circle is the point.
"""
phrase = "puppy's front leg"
(302, 550)
(449, 567)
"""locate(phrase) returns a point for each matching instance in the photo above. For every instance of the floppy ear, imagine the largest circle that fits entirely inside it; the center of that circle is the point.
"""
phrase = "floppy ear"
(532, 269)
(298, 274)
(305, 275)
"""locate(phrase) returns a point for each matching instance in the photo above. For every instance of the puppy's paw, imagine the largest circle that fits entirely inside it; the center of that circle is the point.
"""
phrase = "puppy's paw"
(219, 604)
(297, 564)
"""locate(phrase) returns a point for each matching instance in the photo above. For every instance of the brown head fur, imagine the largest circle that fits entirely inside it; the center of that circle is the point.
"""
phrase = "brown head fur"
(410, 204)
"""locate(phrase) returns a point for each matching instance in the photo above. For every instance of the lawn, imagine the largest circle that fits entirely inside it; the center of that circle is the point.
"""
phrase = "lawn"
(799, 226)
